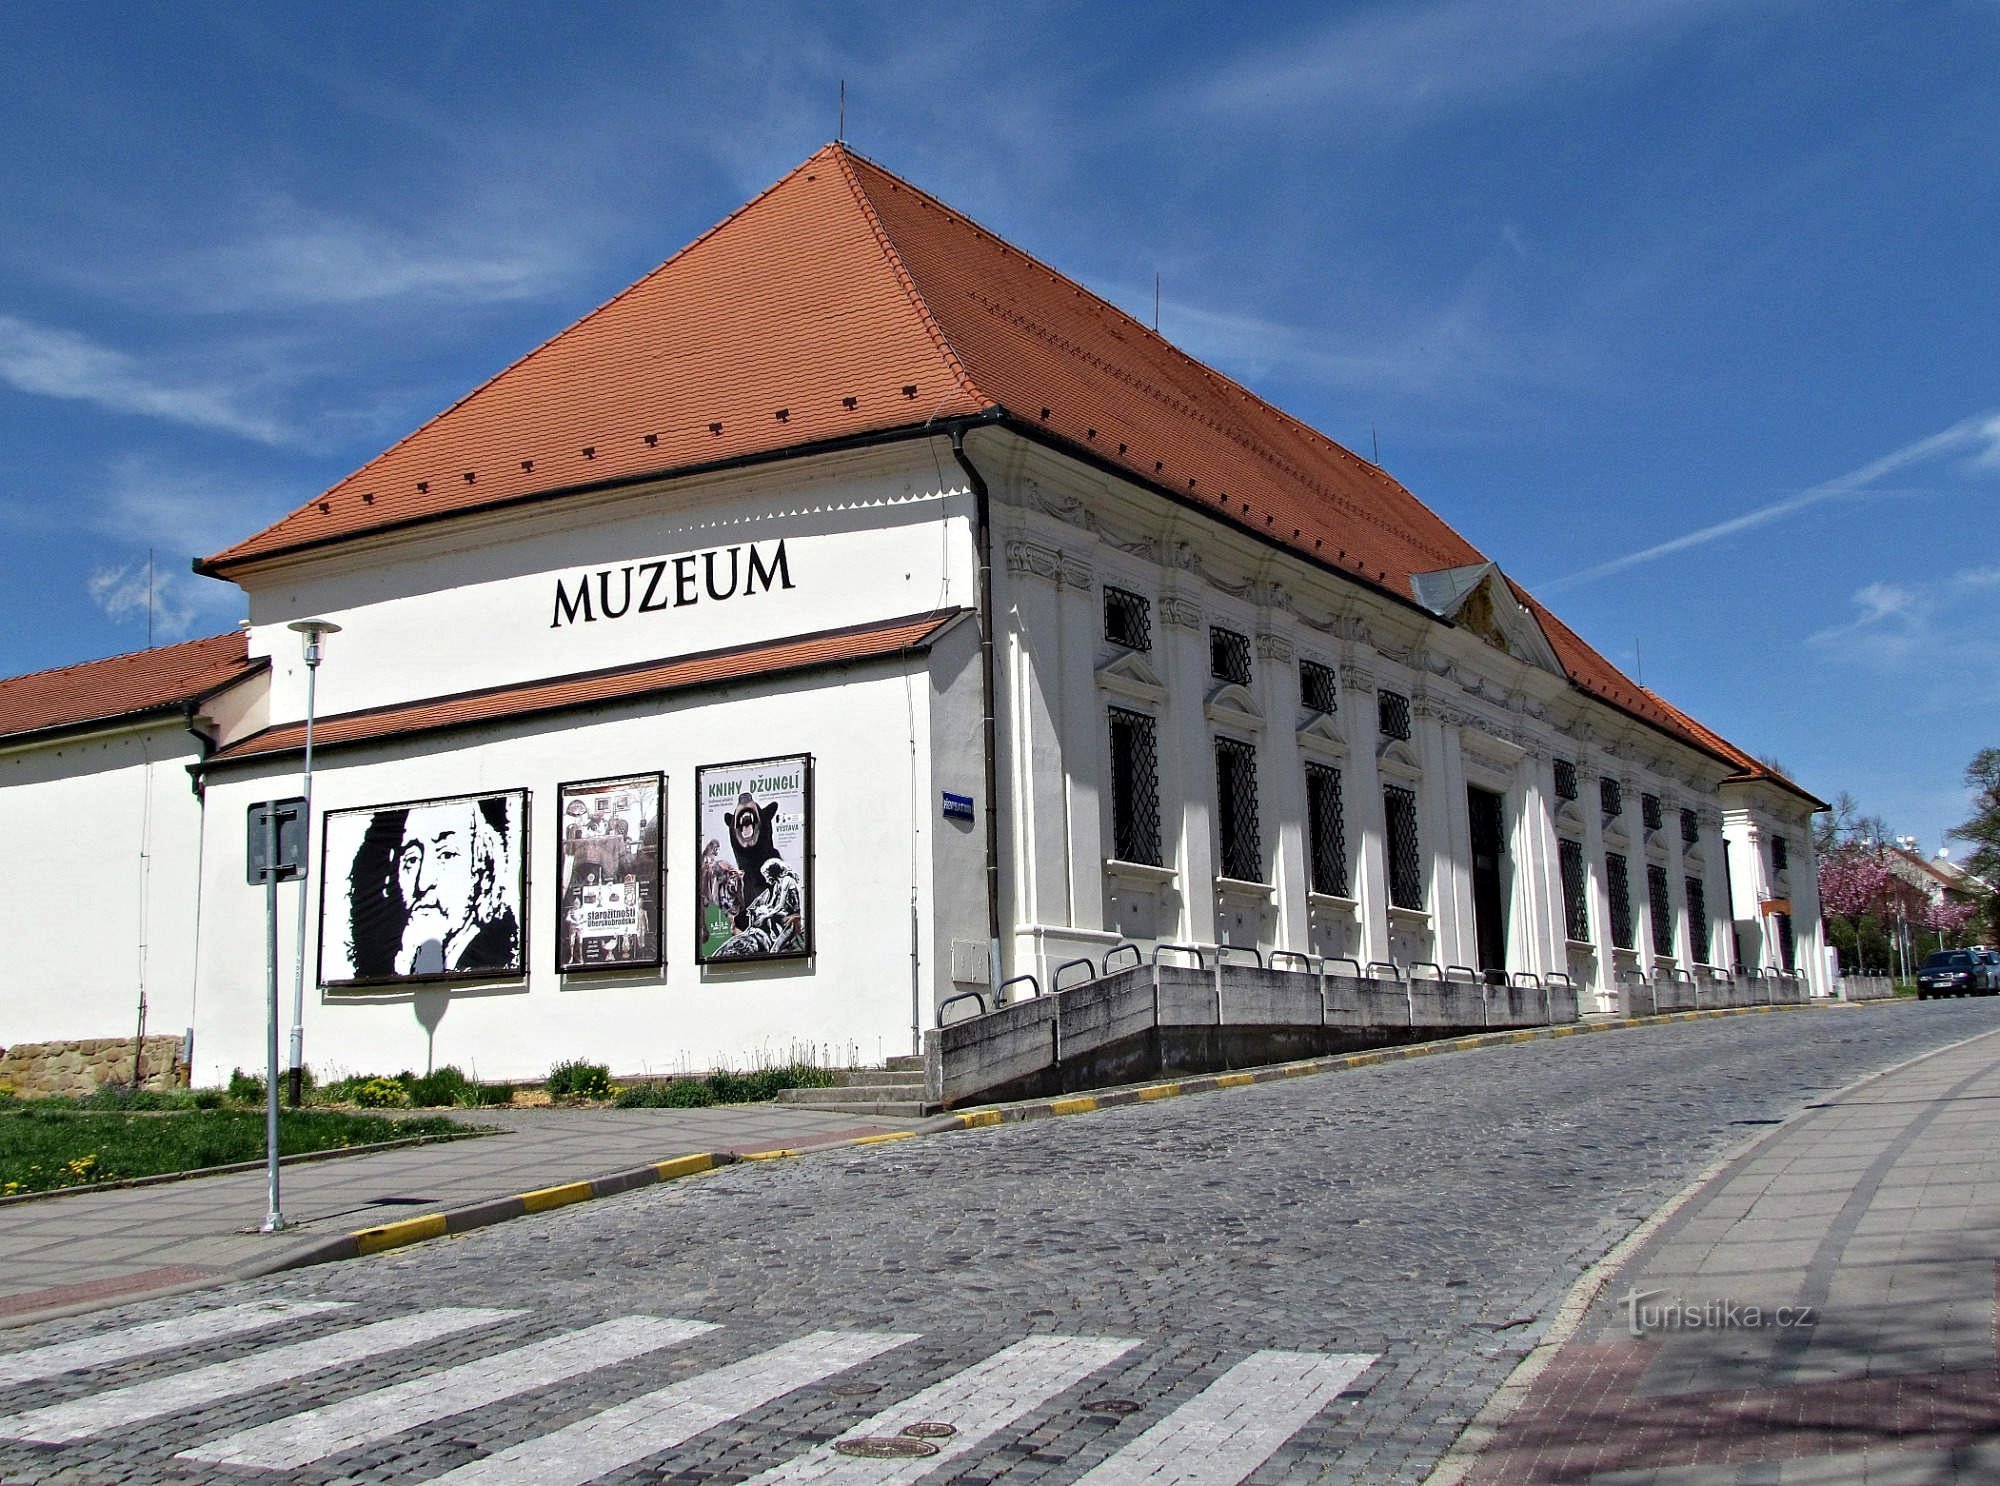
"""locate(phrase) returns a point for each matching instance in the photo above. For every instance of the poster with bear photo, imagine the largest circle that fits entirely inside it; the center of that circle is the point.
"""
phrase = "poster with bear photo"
(753, 878)
(608, 873)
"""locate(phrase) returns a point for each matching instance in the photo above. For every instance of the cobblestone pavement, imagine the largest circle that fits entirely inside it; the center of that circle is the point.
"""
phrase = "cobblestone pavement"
(1313, 1280)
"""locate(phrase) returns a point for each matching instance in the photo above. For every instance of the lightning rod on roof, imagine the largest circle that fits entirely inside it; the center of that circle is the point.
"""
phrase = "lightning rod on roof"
(149, 598)
(1156, 304)
(840, 129)
(1375, 443)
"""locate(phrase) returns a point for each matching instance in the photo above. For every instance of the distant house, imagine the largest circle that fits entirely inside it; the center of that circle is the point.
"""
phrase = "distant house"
(852, 613)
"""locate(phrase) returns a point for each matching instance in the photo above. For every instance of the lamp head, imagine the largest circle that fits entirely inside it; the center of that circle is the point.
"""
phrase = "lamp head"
(312, 630)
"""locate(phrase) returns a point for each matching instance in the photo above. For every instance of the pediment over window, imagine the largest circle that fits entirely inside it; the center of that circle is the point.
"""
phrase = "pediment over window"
(1569, 818)
(1477, 599)
(1129, 675)
(1230, 703)
(1323, 730)
(1395, 755)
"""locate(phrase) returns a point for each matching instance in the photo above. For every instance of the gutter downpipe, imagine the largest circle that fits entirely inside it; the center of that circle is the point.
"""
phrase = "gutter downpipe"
(983, 540)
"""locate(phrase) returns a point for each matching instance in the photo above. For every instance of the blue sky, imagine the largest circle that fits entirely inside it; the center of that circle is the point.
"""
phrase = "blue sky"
(1683, 310)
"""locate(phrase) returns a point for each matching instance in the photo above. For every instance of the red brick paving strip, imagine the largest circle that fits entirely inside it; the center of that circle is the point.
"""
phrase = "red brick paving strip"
(28, 1301)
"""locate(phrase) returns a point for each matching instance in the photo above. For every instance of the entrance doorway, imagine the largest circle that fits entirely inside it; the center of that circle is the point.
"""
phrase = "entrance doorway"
(1489, 899)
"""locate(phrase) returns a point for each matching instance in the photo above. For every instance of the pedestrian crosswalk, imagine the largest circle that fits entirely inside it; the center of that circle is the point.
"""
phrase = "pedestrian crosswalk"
(1196, 1433)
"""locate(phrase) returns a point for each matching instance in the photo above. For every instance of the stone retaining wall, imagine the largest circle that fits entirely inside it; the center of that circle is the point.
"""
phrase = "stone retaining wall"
(36, 1070)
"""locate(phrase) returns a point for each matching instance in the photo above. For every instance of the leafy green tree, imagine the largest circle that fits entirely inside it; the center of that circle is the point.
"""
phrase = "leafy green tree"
(1982, 831)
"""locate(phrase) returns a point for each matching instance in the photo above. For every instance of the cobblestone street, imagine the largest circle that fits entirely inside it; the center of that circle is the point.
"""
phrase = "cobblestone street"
(1315, 1280)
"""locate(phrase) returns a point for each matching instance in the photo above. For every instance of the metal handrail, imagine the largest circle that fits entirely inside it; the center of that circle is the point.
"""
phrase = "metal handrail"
(1326, 960)
(1416, 965)
(979, 996)
(1293, 954)
(1525, 980)
(1185, 949)
(1465, 973)
(1137, 958)
(1560, 975)
(1224, 951)
(1395, 970)
(1013, 980)
(1055, 980)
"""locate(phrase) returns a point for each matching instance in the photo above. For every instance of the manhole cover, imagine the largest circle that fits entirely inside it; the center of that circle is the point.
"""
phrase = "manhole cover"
(854, 1390)
(886, 1447)
(930, 1429)
(1110, 1406)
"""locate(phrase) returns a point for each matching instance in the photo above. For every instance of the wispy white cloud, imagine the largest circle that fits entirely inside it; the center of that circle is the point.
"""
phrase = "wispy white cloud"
(1399, 64)
(1937, 638)
(48, 361)
(146, 501)
(1972, 440)
(168, 602)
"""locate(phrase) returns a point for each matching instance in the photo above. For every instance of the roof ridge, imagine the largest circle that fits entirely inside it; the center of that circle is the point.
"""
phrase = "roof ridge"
(105, 660)
(527, 356)
(893, 255)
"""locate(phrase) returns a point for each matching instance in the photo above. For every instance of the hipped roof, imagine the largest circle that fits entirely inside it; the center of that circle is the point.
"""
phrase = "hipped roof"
(103, 693)
(845, 304)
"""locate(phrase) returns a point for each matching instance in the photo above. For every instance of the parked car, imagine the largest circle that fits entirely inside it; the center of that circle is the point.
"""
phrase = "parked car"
(1952, 972)
(1989, 961)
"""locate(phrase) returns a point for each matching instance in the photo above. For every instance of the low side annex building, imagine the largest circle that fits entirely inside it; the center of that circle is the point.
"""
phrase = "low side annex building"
(852, 613)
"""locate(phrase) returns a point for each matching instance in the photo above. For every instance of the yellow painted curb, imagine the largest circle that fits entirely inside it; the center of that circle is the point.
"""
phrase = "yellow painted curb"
(545, 1199)
(1085, 1105)
(882, 1139)
(1233, 1080)
(767, 1155)
(979, 1117)
(395, 1235)
(1159, 1091)
(684, 1166)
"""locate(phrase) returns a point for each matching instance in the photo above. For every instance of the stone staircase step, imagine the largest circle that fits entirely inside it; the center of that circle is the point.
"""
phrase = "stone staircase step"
(908, 1108)
(857, 1077)
(906, 1062)
(852, 1096)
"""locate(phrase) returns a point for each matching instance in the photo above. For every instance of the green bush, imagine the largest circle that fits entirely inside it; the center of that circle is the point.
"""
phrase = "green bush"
(206, 1098)
(732, 1088)
(478, 1094)
(683, 1093)
(576, 1079)
(380, 1093)
(446, 1085)
(245, 1088)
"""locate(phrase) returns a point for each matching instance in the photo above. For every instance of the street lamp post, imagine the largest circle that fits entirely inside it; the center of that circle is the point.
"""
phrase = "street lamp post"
(311, 631)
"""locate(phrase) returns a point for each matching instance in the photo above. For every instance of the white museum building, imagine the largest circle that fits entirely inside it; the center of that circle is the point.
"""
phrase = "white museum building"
(852, 613)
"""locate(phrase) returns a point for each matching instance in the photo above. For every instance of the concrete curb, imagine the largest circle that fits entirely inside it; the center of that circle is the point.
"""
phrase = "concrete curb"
(1075, 1104)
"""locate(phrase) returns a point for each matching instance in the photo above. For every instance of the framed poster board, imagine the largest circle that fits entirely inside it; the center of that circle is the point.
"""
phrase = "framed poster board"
(425, 890)
(754, 872)
(608, 873)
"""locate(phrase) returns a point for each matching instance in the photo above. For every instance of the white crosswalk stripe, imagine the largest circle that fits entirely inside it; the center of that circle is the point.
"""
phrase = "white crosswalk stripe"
(976, 1402)
(120, 1407)
(1234, 1424)
(656, 1421)
(108, 1347)
(286, 1444)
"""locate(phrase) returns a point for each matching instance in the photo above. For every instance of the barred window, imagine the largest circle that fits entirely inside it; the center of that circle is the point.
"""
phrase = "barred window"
(1327, 832)
(1649, 812)
(1135, 789)
(1236, 810)
(1698, 927)
(1611, 795)
(1663, 909)
(1316, 687)
(1620, 887)
(1229, 656)
(1690, 828)
(1781, 854)
(1565, 779)
(1406, 871)
(1392, 712)
(1787, 947)
(1128, 619)
(1576, 907)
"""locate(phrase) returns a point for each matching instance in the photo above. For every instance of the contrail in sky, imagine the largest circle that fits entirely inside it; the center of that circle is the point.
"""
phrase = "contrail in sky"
(1981, 427)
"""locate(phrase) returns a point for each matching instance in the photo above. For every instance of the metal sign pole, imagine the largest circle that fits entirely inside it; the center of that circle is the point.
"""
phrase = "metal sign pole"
(273, 1220)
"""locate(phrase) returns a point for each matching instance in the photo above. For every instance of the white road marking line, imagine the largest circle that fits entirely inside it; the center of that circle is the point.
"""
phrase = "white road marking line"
(155, 1336)
(1234, 1424)
(656, 1421)
(286, 1444)
(977, 1402)
(118, 1407)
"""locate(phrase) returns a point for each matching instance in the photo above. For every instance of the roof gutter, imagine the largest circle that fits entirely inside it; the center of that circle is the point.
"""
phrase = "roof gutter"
(989, 728)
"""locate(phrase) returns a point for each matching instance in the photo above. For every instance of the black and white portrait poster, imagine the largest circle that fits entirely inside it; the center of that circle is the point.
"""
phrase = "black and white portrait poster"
(423, 890)
(608, 861)
(754, 877)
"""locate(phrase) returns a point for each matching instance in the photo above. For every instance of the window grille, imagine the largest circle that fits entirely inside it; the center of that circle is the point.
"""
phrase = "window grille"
(1128, 619)
(1135, 789)
(1781, 854)
(1620, 888)
(1406, 871)
(1611, 795)
(1392, 711)
(1565, 779)
(1236, 810)
(1690, 828)
(1786, 946)
(1698, 927)
(1327, 830)
(1576, 908)
(1649, 812)
(1229, 656)
(1316, 687)
(1663, 909)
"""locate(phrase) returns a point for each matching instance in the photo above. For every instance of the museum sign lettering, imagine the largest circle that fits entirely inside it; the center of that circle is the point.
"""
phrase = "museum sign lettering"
(671, 583)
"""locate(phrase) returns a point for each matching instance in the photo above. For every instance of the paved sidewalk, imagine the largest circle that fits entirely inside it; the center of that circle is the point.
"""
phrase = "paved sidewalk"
(1821, 1310)
(91, 1248)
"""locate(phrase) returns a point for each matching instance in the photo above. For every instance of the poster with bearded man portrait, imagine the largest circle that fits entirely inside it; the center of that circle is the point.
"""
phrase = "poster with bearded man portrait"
(423, 891)
(753, 879)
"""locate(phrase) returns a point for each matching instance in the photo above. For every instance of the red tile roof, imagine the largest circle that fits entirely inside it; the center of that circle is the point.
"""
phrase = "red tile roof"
(844, 303)
(1747, 767)
(123, 687)
(599, 688)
